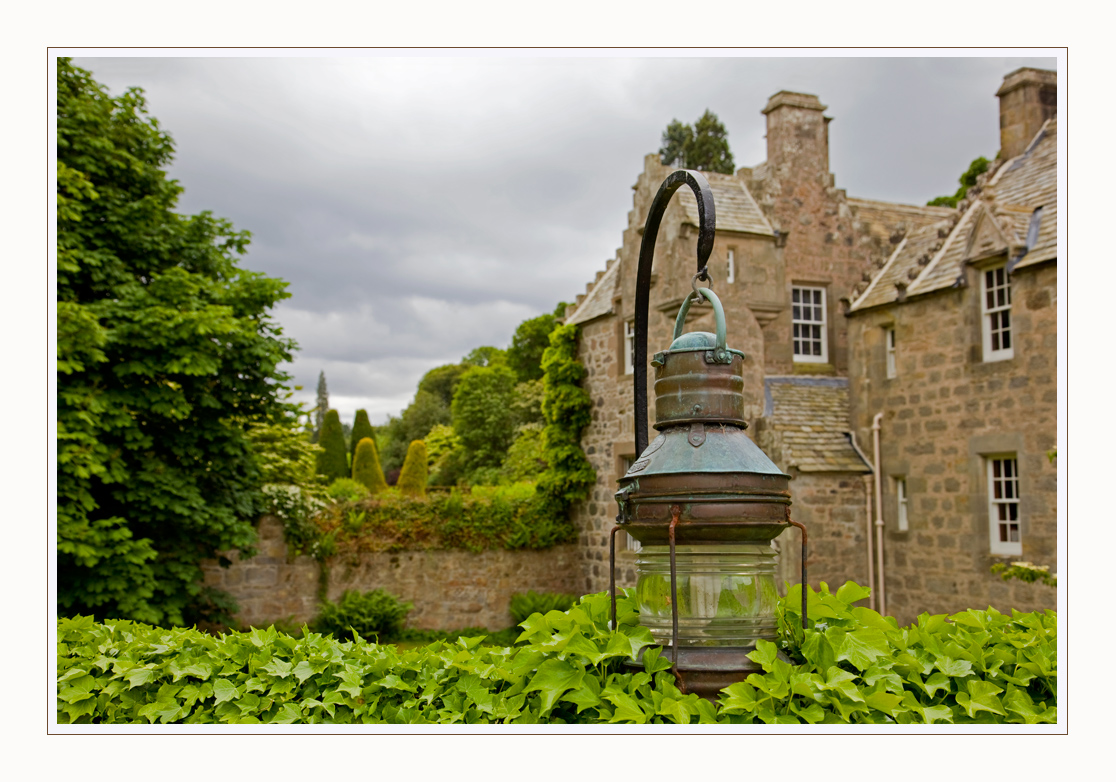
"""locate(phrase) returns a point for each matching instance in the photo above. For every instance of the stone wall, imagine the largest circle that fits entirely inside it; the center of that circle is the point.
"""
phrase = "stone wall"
(450, 590)
(945, 410)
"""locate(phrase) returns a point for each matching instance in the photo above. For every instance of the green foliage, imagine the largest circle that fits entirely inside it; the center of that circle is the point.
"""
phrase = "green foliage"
(527, 402)
(531, 339)
(333, 461)
(526, 459)
(500, 517)
(567, 409)
(442, 381)
(366, 466)
(967, 180)
(367, 614)
(703, 147)
(482, 415)
(485, 356)
(1025, 571)
(347, 490)
(423, 414)
(295, 506)
(361, 429)
(852, 666)
(524, 604)
(166, 354)
(283, 452)
(412, 479)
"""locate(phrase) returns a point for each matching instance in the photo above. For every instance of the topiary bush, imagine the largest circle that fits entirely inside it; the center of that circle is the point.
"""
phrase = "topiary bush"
(370, 615)
(347, 490)
(366, 467)
(412, 478)
(361, 428)
(333, 461)
(850, 666)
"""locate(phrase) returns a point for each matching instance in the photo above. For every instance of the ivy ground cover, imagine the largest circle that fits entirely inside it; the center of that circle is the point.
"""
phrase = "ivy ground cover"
(850, 666)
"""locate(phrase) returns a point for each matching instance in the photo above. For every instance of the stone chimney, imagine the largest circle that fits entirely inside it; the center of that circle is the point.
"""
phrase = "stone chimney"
(797, 136)
(1028, 97)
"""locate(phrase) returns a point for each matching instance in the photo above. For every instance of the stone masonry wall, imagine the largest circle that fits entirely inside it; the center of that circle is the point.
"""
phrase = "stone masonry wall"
(943, 413)
(450, 590)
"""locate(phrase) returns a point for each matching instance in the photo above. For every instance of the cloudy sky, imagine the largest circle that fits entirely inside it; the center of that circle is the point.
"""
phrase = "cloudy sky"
(422, 205)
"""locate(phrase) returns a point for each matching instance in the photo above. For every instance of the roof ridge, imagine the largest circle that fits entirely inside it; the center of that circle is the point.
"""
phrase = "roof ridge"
(942, 250)
(883, 270)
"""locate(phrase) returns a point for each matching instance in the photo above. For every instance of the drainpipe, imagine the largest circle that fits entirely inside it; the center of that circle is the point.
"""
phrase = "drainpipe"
(879, 510)
(868, 524)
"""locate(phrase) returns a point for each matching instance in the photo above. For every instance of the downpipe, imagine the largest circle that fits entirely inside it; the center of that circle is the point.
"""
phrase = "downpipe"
(867, 523)
(879, 510)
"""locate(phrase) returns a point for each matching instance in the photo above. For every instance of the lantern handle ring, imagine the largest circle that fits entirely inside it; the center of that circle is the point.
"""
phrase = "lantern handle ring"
(704, 276)
(718, 312)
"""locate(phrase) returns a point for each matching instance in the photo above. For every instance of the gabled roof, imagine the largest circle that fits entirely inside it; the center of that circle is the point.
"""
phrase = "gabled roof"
(997, 222)
(807, 420)
(598, 295)
(736, 209)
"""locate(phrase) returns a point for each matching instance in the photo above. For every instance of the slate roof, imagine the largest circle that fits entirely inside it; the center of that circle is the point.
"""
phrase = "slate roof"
(881, 218)
(997, 221)
(807, 418)
(598, 295)
(736, 209)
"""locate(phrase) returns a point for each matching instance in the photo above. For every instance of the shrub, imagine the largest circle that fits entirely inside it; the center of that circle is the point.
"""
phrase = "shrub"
(366, 466)
(412, 478)
(333, 461)
(531, 602)
(850, 666)
(368, 614)
(361, 429)
(347, 490)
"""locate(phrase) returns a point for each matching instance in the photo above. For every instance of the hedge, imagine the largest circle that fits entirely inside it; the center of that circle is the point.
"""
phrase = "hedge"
(850, 666)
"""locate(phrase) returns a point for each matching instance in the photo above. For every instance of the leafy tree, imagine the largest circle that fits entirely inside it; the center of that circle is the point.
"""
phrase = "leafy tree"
(967, 180)
(527, 402)
(703, 147)
(412, 478)
(422, 415)
(333, 462)
(531, 338)
(366, 466)
(442, 381)
(323, 406)
(167, 355)
(361, 429)
(526, 458)
(283, 453)
(482, 415)
(485, 356)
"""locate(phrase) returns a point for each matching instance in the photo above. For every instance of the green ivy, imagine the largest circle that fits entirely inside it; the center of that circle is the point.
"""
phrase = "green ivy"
(849, 666)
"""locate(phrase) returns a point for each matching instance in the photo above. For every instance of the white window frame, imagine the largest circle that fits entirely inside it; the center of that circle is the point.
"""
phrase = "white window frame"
(995, 310)
(901, 518)
(1003, 505)
(818, 336)
(731, 264)
(629, 347)
(889, 349)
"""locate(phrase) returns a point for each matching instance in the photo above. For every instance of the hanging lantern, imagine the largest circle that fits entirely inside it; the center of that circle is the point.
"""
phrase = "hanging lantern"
(702, 499)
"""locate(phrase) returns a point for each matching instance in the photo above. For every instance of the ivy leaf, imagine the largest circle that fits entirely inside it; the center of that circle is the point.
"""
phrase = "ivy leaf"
(863, 647)
(951, 667)
(981, 697)
(884, 701)
(675, 710)
(224, 691)
(851, 592)
(627, 709)
(654, 661)
(553, 678)
(302, 671)
(739, 698)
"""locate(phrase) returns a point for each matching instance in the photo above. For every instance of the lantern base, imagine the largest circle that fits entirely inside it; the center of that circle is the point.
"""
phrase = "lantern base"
(706, 670)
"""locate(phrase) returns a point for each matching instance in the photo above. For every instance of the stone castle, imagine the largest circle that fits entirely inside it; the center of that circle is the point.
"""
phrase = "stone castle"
(931, 328)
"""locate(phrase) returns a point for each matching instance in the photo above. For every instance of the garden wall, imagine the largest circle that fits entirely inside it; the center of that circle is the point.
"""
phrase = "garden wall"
(450, 590)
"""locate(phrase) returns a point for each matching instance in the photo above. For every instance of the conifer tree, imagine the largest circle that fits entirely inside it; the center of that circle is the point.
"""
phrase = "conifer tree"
(333, 461)
(366, 466)
(323, 406)
(361, 429)
(412, 478)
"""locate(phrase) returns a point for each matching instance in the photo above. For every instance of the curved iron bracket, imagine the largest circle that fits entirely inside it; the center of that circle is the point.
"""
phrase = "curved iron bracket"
(707, 219)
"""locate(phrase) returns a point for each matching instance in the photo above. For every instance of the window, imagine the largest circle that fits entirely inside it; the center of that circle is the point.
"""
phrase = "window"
(889, 341)
(808, 321)
(1003, 505)
(996, 311)
(730, 272)
(901, 503)
(629, 347)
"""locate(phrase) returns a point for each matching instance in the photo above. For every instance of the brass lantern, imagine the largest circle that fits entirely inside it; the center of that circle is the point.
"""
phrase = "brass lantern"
(703, 500)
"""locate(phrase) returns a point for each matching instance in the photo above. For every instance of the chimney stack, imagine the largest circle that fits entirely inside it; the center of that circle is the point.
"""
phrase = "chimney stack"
(797, 136)
(1028, 97)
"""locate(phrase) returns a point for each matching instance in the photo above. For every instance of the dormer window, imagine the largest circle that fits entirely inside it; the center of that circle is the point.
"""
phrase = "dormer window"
(996, 314)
